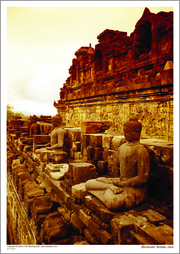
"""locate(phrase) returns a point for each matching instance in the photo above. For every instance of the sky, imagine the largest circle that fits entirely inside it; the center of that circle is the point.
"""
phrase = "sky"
(42, 38)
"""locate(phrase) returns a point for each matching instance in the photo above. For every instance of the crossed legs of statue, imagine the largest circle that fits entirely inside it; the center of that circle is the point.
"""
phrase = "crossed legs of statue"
(124, 199)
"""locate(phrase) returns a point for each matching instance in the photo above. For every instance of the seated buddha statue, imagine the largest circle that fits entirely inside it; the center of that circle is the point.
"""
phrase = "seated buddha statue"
(130, 189)
(57, 136)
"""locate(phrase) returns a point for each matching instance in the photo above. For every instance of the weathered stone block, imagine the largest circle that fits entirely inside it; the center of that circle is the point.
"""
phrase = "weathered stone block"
(105, 155)
(90, 153)
(167, 156)
(106, 141)
(73, 134)
(113, 171)
(54, 228)
(160, 235)
(166, 175)
(98, 153)
(153, 216)
(31, 189)
(76, 146)
(65, 213)
(41, 139)
(95, 140)
(77, 223)
(82, 171)
(59, 157)
(44, 156)
(113, 157)
(77, 190)
(154, 153)
(77, 155)
(101, 167)
(85, 139)
(117, 141)
(42, 204)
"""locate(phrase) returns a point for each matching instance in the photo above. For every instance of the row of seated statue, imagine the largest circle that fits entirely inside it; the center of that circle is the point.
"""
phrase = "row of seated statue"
(130, 189)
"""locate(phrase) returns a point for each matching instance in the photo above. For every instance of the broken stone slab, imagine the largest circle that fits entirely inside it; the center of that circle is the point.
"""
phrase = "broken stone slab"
(153, 216)
(77, 190)
(63, 167)
(162, 234)
(57, 171)
(95, 126)
(123, 223)
(42, 204)
(54, 228)
(65, 213)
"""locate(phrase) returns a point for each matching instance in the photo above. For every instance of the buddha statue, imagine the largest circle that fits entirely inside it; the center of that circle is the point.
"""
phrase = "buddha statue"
(57, 136)
(130, 189)
(34, 129)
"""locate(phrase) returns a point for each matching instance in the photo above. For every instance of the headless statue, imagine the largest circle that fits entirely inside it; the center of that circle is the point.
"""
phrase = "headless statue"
(130, 189)
(57, 137)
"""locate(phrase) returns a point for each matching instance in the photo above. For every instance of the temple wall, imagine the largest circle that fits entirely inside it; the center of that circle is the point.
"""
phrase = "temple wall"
(156, 117)
(124, 76)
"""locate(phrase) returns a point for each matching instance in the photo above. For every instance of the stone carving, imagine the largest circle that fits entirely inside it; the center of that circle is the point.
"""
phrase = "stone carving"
(55, 147)
(130, 189)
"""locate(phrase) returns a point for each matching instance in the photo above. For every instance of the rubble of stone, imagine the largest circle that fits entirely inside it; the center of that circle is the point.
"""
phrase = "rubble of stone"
(47, 202)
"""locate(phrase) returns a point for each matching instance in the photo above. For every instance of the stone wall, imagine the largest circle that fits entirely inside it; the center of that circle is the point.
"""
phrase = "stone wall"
(124, 75)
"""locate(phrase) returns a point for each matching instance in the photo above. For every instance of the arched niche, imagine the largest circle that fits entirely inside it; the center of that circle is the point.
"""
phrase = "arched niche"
(143, 39)
(98, 60)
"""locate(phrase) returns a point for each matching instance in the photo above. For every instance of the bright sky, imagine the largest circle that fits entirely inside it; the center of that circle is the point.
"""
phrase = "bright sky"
(42, 40)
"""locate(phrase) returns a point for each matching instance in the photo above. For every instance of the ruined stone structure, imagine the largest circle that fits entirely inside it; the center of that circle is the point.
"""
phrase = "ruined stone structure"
(124, 75)
(47, 202)
(45, 209)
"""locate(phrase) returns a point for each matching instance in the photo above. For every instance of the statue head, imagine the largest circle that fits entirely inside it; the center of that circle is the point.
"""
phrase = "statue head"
(56, 121)
(132, 129)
